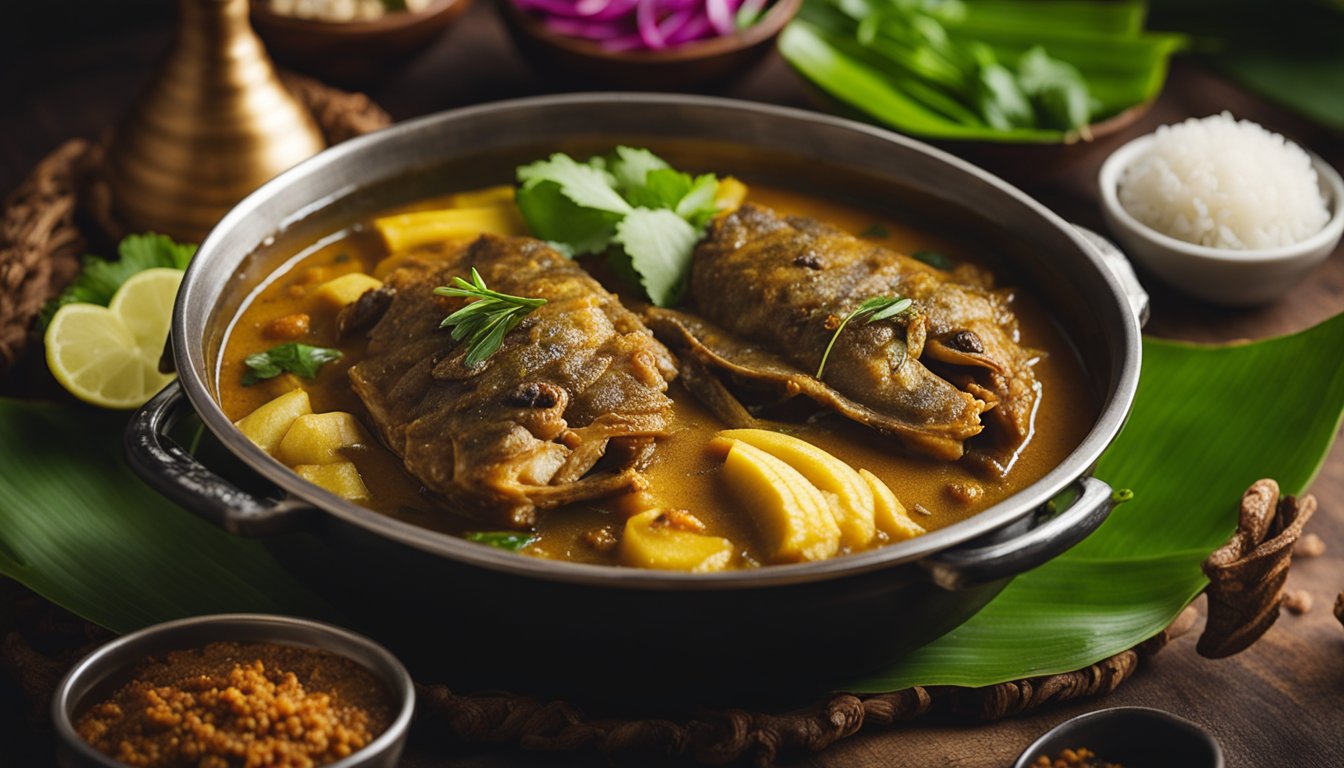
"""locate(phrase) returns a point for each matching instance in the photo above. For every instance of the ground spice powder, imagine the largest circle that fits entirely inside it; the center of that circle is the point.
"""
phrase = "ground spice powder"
(231, 705)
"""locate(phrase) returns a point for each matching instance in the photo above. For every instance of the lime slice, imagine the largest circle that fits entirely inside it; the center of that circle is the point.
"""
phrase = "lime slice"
(109, 356)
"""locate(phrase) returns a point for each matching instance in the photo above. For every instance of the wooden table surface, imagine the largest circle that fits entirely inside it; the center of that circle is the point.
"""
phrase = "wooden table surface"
(1280, 703)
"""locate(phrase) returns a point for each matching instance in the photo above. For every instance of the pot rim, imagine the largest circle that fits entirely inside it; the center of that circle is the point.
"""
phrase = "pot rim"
(190, 358)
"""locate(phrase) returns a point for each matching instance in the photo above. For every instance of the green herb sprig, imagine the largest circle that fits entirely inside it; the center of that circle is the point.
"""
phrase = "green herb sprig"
(485, 321)
(299, 359)
(877, 308)
(508, 540)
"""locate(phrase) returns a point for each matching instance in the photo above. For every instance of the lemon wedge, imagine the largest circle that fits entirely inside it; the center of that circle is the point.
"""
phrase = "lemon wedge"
(109, 356)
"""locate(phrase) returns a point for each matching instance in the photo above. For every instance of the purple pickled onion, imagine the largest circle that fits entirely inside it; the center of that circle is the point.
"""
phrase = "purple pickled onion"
(696, 28)
(720, 16)
(604, 10)
(647, 22)
(624, 25)
(672, 23)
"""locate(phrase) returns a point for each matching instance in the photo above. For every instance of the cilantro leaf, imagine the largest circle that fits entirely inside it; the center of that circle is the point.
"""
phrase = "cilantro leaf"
(99, 279)
(632, 199)
(585, 184)
(553, 216)
(299, 359)
(510, 540)
(659, 243)
(933, 259)
(632, 166)
(699, 205)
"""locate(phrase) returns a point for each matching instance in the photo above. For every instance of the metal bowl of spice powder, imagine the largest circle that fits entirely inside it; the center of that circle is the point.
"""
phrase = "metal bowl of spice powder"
(235, 690)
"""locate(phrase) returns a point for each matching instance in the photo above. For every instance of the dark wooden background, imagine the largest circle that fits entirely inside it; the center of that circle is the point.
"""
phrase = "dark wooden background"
(66, 74)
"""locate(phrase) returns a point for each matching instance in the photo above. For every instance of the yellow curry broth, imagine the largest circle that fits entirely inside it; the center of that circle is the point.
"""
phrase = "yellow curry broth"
(684, 473)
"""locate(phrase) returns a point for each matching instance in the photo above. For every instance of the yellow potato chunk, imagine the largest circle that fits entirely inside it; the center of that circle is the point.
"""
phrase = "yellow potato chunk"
(650, 541)
(852, 499)
(341, 478)
(794, 518)
(891, 516)
(345, 289)
(408, 230)
(318, 438)
(730, 194)
(267, 425)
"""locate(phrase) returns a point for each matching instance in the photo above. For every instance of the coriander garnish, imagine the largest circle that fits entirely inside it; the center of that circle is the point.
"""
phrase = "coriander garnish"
(877, 308)
(485, 321)
(298, 359)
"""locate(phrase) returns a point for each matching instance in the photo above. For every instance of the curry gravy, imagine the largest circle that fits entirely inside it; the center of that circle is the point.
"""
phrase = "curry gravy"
(684, 473)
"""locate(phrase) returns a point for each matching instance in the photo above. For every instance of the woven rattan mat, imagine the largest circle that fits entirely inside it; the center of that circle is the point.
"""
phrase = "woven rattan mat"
(63, 206)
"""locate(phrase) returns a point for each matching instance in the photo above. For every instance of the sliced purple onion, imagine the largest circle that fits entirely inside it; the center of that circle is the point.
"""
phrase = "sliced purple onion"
(629, 25)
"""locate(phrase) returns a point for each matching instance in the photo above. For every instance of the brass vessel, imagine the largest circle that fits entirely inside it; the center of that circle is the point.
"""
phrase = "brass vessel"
(214, 124)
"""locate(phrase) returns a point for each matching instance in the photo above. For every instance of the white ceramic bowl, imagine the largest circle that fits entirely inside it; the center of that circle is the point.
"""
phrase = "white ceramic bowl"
(1217, 275)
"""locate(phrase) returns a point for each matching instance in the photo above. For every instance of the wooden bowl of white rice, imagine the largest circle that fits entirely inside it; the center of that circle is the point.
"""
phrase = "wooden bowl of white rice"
(1221, 209)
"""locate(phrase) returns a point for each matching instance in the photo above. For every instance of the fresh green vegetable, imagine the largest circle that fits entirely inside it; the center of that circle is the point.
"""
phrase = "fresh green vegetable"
(646, 215)
(487, 319)
(877, 308)
(299, 359)
(99, 279)
(1001, 70)
(510, 540)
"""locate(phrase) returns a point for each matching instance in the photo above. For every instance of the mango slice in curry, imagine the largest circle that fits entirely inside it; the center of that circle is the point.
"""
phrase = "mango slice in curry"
(794, 518)
(890, 514)
(851, 498)
(317, 438)
(341, 478)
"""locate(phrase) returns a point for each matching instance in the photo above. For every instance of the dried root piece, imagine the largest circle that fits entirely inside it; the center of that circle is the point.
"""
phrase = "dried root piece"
(1339, 607)
(1246, 574)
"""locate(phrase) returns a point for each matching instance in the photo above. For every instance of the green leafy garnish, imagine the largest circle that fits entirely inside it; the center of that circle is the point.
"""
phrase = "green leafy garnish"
(509, 540)
(99, 279)
(933, 259)
(875, 231)
(646, 215)
(299, 359)
(877, 308)
(485, 321)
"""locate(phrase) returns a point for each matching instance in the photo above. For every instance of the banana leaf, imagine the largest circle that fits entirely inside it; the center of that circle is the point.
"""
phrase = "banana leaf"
(79, 529)
(1207, 422)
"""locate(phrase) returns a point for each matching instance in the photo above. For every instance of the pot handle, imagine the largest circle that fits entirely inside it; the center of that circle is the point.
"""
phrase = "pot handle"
(1051, 533)
(169, 469)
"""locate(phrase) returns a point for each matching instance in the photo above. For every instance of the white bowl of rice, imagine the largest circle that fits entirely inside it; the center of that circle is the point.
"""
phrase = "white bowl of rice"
(1221, 209)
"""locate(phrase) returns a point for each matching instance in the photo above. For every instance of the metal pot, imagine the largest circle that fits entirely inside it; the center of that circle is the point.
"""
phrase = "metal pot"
(546, 624)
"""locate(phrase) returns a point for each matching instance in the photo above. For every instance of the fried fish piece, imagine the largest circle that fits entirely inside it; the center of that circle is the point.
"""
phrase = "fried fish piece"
(581, 378)
(768, 292)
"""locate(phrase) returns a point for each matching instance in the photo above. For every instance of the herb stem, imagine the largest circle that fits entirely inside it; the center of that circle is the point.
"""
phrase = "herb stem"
(879, 307)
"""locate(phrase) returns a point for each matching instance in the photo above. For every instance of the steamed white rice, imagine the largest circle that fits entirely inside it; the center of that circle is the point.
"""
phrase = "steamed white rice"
(1225, 183)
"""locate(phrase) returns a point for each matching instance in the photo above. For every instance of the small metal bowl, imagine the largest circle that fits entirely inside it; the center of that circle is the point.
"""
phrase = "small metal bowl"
(1219, 275)
(1130, 736)
(95, 671)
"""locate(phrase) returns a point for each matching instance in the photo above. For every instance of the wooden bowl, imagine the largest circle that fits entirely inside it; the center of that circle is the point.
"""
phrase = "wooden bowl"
(582, 61)
(356, 51)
